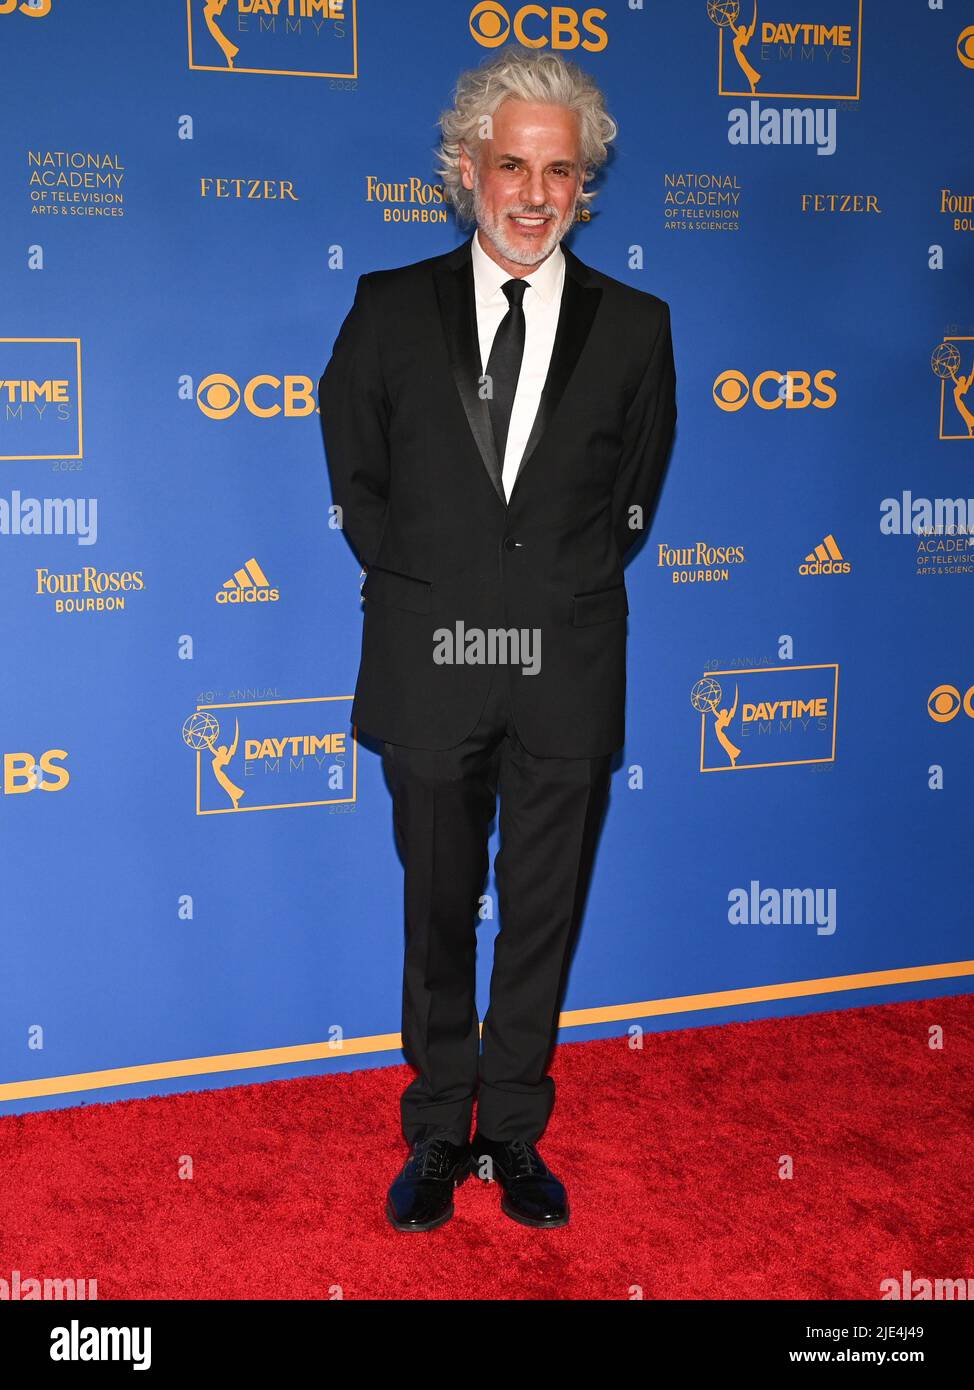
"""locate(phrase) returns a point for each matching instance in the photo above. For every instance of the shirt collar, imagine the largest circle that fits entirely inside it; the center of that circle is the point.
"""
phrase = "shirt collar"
(489, 276)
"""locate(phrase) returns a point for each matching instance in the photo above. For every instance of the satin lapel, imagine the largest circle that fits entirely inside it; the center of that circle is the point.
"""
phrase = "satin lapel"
(579, 301)
(453, 277)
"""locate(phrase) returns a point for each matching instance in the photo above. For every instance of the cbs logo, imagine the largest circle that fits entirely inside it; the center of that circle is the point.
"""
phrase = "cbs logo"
(22, 772)
(561, 26)
(37, 9)
(770, 390)
(219, 396)
(946, 702)
(965, 46)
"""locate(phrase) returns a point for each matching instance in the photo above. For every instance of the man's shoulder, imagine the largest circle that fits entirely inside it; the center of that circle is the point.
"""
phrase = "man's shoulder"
(626, 298)
(403, 278)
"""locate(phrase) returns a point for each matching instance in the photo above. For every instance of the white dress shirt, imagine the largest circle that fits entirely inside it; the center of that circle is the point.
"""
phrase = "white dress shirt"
(542, 304)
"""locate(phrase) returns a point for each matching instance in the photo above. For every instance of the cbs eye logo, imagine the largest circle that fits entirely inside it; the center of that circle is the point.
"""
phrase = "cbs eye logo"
(771, 390)
(561, 26)
(965, 46)
(946, 702)
(219, 396)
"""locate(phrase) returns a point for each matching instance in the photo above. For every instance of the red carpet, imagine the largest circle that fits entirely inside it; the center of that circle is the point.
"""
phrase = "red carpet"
(670, 1154)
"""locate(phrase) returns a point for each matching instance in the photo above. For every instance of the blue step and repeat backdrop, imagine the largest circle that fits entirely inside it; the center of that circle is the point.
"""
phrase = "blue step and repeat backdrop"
(200, 882)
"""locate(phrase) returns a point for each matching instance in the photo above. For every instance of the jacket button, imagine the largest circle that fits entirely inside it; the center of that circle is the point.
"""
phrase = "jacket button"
(510, 543)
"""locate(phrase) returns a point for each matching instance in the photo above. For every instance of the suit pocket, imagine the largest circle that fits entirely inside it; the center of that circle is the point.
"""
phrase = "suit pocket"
(395, 590)
(600, 606)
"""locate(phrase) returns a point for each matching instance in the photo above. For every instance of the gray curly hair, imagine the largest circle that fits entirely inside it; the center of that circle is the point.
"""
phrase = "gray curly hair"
(526, 75)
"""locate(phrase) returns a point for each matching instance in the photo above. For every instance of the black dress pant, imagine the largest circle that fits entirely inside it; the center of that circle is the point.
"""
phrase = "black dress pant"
(443, 806)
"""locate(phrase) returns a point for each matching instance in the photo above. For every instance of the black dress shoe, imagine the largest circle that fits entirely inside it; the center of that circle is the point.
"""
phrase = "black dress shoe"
(421, 1197)
(531, 1192)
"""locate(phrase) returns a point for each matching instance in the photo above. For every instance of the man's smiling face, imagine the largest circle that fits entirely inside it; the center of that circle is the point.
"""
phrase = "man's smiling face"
(525, 182)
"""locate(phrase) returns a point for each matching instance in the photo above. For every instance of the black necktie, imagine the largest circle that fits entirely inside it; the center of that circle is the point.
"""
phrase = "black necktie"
(504, 364)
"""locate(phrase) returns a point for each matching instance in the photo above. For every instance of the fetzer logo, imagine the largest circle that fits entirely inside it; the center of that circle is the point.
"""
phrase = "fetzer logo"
(826, 558)
(248, 585)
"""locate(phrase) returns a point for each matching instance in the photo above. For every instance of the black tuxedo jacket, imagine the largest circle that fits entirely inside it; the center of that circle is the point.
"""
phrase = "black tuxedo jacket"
(414, 469)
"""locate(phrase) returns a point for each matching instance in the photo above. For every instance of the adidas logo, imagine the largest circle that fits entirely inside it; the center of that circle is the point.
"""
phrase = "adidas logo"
(248, 585)
(826, 558)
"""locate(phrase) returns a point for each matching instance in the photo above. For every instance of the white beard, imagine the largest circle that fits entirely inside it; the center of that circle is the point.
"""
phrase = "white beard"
(496, 229)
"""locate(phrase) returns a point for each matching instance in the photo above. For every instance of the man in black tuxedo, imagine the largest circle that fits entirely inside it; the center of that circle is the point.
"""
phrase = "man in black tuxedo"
(496, 422)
